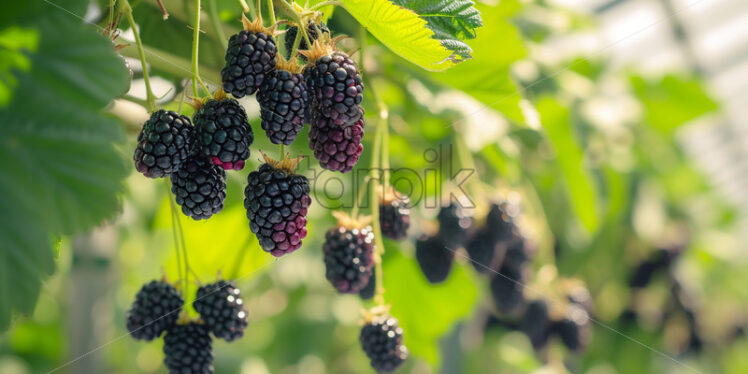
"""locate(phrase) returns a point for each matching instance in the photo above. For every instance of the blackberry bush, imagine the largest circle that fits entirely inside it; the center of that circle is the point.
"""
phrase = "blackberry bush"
(222, 132)
(250, 57)
(163, 144)
(434, 258)
(335, 84)
(349, 254)
(188, 349)
(276, 200)
(283, 98)
(199, 187)
(382, 341)
(156, 309)
(394, 214)
(336, 148)
(222, 310)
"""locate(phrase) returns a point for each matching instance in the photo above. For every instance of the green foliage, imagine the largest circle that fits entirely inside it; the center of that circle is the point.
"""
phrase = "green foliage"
(61, 171)
(13, 42)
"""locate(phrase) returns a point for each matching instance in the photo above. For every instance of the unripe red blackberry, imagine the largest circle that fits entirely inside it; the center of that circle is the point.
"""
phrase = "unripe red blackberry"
(276, 200)
(283, 98)
(222, 310)
(222, 132)
(434, 258)
(250, 56)
(199, 187)
(335, 84)
(163, 144)
(314, 31)
(156, 309)
(394, 214)
(382, 341)
(337, 148)
(188, 349)
(349, 254)
(507, 289)
(454, 223)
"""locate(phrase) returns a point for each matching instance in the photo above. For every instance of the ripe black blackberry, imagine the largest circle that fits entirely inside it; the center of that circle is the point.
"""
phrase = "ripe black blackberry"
(370, 289)
(188, 349)
(574, 329)
(488, 245)
(336, 148)
(335, 84)
(156, 309)
(222, 132)
(276, 200)
(506, 289)
(536, 323)
(394, 214)
(199, 187)
(250, 56)
(314, 31)
(434, 258)
(454, 224)
(283, 98)
(382, 341)
(163, 144)
(349, 254)
(518, 250)
(222, 310)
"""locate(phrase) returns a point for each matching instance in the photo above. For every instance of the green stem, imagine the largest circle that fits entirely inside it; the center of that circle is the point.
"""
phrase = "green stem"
(297, 17)
(296, 44)
(259, 9)
(359, 199)
(376, 227)
(150, 98)
(244, 5)
(324, 3)
(184, 275)
(174, 232)
(239, 259)
(215, 21)
(271, 10)
(195, 48)
(282, 151)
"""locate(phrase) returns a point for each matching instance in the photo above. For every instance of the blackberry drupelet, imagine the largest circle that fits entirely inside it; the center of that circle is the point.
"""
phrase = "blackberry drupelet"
(188, 349)
(370, 289)
(276, 200)
(314, 31)
(250, 56)
(199, 187)
(434, 258)
(222, 310)
(349, 255)
(506, 289)
(394, 214)
(222, 132)
(156, 309)
(335, 85)
(382, 341)
(163, 144)
(454, 224)
(336, 148)
(283, 98)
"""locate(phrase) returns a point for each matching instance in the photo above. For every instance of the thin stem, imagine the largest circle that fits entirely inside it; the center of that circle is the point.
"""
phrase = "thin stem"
(297, 17)
(239, 259)
(325, 3)
(243, 4)
(150, 97)
(174, 232)
(296, 44)
(271, 10)
(359, 198)
(175, 222)
(282, 151)
(195, 47)
(376, 227)
(259, 9)
(385, 148)
(215, 21)
(164, 12)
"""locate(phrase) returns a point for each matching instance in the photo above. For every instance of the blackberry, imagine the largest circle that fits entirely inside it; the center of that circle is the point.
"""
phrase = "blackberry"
(314, 31)
(506, 289)
(454, 223)
(188, 349)
(163, 144)
(394, 215)
(199, 187)
(382, 341)
(574, 329)
(335, 84)
(250, 56)
(488, 245)
(283, 98)
(349, 255)
(518, 250)
(336, 148)
(156, 309)
(276, 200)
(434, 258)
(370, 289)
(536, 323)
(222, 132)
(222, 310)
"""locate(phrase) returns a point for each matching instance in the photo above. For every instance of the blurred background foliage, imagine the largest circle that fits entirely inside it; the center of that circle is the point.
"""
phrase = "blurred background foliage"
(591, 153)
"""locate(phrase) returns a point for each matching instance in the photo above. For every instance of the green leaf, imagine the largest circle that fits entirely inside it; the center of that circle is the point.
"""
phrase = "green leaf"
(426, 312)
(451, 20)
(13, 41)
(61, 171)
(402, 31)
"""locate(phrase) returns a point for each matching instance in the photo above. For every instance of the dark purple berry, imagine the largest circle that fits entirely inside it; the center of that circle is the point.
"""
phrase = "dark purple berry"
(349, 258)
(222, 310)
(199, 187)
(283, 98)
(222, 133)
(394, 215)
(250, 57)
(336, 88)
(156, 309)
(434, 258)
(188, 349)
(336, 148)
(382, 341)
(163, 144)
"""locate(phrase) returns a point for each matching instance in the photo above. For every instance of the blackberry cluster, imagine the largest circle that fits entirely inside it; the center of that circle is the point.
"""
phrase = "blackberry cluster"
(222, 133)
(250, 56)
(337, 148)
(283, 99)
(199, 187)
(314, 31)
(434, 258)
(188, 349)
(222, 310)
(349, 258)
(382, 341)
(394, 215)
(156, 309)
(337, 88)
(276, 200)
(163, 144)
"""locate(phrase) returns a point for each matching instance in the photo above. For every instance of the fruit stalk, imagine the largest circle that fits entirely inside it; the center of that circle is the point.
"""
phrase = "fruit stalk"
(150, 97)
(271, 11)
(195, 47)
(183, 273)
(215, 21)
(174, 230)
